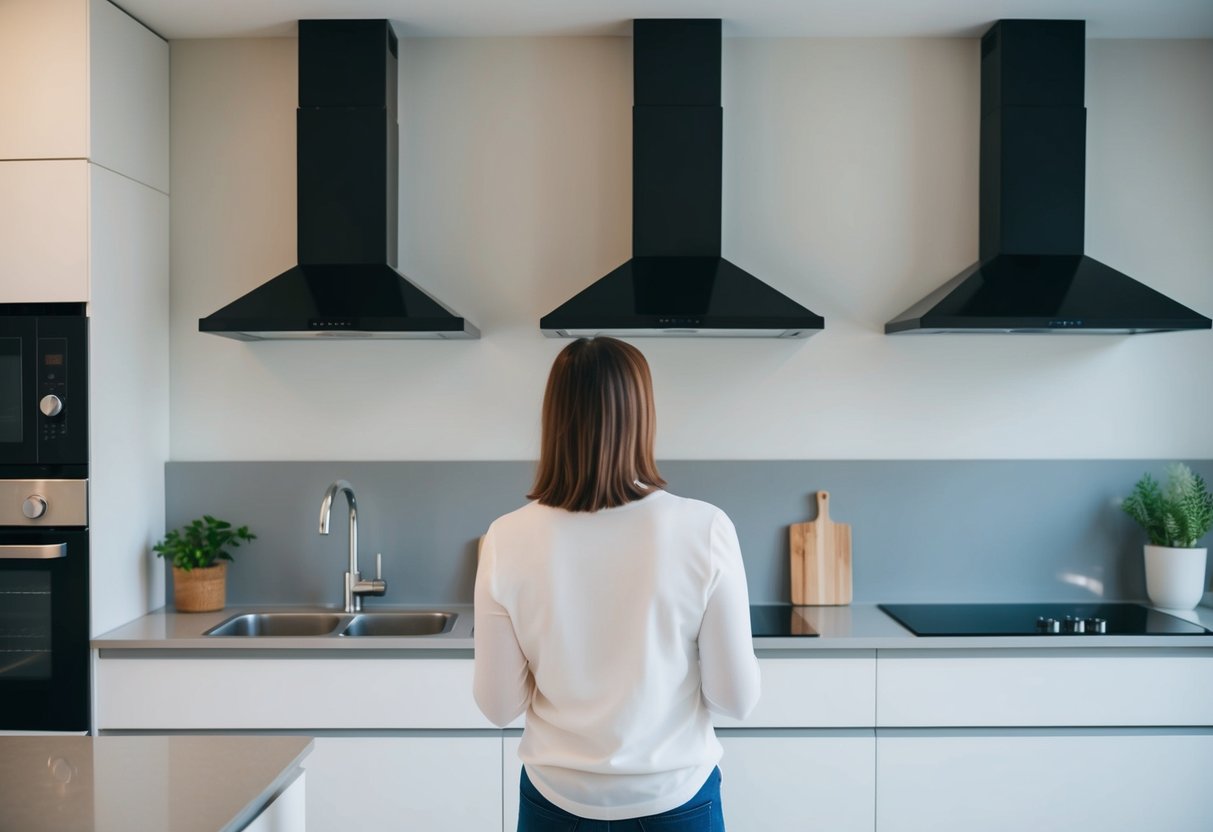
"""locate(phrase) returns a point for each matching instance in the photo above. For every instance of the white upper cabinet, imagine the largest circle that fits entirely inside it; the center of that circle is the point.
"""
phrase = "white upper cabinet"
(81, 79)
(128, 96)
(81, 83)
(44, 98)
(44, 237)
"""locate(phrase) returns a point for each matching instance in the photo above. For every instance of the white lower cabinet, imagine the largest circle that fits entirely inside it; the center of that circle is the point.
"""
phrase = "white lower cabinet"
(802, 780)
(787, 780)
(936, 780)
(411, 783)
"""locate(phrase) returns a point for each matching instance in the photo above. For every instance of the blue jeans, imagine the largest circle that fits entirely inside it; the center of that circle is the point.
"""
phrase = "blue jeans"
(702, 813)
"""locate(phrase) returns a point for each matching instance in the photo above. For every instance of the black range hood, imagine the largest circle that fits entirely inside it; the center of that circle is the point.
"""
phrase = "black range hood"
(1032, 275)
(346, 284)
(676, 283)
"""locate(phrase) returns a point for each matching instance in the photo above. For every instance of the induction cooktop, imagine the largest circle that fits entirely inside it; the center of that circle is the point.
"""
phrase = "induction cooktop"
(1065, 619)
(778, 621)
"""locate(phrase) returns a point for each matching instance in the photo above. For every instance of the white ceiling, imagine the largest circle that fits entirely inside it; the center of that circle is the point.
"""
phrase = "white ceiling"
(743, 18)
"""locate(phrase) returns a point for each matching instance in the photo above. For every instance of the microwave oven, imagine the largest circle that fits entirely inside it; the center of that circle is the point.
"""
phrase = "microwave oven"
(43, 392)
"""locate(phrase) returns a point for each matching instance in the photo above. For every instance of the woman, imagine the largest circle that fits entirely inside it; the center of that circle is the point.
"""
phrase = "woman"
(613, 613)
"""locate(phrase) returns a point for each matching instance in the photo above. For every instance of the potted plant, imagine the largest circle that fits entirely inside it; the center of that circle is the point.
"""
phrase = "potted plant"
(1175, 518)
(198, 553)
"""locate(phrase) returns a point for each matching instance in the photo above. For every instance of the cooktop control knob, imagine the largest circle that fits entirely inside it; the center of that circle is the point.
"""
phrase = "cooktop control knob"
(1075, 625)
(1097, 625)
(1047, 625)
(34, 506)
(51, 405)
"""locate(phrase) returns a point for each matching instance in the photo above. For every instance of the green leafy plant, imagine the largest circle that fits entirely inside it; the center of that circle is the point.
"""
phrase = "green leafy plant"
(202, 543)
(1176, 516)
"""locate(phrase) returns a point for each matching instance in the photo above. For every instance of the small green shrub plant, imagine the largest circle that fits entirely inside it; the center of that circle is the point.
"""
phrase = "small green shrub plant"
(1176, 516)
(202, 543)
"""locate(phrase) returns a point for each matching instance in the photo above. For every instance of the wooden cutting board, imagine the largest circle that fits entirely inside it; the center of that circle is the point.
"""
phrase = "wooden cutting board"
(821, 558)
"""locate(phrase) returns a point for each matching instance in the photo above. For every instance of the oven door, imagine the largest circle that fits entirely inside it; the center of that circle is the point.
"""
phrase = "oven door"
(18, 386)
(44, 669)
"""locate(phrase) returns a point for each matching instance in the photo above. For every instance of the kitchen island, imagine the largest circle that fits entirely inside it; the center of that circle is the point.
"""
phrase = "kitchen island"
(152, 783)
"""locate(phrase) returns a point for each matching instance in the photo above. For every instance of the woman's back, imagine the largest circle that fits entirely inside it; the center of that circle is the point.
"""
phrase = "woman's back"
(632, 620)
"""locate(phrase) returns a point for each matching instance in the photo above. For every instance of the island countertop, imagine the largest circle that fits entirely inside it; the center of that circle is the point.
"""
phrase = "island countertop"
(143, 783)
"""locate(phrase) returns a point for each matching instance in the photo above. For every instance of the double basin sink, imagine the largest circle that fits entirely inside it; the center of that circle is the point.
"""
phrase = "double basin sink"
(335, 624)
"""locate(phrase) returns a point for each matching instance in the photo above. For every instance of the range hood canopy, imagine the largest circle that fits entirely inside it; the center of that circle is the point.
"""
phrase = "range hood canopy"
(676, 283)
(1032, 274)
(346, 284)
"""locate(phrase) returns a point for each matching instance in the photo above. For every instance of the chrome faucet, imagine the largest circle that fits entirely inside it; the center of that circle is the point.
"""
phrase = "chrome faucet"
(355, 587)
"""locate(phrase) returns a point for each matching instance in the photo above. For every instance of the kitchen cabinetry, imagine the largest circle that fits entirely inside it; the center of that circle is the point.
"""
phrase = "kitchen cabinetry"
(84, 179)
(886, 739)
(44, 91)
(801, 779)
(1024, 739)
(81, 79)
(936, 780)
(44, 231)
(422, 782)
(83, 88)
(399, 743)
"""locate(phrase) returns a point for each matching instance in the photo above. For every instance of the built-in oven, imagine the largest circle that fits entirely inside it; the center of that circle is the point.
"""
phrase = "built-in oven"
(43, 389)
(44, 620)
(44, 563)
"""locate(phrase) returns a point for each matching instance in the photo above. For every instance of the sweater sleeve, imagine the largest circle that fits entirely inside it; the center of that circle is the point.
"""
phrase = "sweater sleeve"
(728, 667)
(502, 683)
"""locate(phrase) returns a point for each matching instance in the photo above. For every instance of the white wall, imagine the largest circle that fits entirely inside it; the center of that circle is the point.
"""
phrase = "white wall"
(850, 183)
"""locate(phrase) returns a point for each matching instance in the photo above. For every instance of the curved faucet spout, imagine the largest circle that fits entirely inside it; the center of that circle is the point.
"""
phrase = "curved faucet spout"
(326, 507)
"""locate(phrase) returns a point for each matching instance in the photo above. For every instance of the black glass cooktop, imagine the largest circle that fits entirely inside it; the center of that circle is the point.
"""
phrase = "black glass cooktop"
(1066, 619)
(778, 620)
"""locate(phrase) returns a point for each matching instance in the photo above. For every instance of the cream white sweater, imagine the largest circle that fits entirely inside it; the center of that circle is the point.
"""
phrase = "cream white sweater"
(616, 631)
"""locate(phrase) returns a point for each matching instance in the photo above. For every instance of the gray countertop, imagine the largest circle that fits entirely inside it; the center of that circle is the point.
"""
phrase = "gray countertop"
(142, 784)
(854, 627)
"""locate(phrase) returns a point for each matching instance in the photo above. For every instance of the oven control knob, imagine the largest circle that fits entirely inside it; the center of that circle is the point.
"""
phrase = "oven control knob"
(1047, 625)
(1097, 625)
(51, 405)
(34, 506)
(1074, 625)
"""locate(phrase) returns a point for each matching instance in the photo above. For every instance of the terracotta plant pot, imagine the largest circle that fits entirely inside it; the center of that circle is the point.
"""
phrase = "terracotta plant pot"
(200, 590)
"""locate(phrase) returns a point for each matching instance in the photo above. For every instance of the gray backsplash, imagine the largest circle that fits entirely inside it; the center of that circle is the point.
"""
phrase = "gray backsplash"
(922, 530)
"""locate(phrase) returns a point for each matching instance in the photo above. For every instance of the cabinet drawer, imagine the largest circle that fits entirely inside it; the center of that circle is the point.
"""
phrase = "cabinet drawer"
(928, 688)
(252, 693)
(830, 689)
(955, 780)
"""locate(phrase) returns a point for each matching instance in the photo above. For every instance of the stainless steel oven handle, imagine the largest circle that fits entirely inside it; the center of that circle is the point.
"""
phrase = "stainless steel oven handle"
(47, 551)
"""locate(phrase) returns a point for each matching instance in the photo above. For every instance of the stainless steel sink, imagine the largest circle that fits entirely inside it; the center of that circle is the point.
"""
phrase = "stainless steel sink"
(335, 624)
(400, 624)
(273, 624)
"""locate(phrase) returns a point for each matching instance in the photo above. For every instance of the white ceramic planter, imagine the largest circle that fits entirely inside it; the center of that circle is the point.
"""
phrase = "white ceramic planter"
(1175, 578)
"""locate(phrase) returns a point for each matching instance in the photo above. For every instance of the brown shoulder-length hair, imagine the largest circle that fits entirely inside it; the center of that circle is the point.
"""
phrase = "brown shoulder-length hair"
(598, 428)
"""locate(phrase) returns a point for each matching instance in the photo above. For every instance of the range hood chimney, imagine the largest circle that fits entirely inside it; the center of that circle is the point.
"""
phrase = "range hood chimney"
(1032, 275)
(676, 283)
(346, 284)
